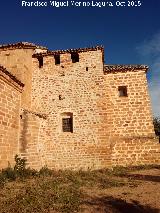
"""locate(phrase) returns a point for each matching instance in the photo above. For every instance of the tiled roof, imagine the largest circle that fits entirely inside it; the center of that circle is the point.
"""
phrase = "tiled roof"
(24, 45)
(70, 51)
(4, 70)
(121, 67)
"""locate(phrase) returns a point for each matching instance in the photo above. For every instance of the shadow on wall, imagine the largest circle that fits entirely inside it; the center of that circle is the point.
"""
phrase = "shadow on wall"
(24, 132)
(110, 204)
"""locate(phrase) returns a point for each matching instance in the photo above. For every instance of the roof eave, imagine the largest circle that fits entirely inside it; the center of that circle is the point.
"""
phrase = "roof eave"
(11, 76)
(22, 45)
(125, 68)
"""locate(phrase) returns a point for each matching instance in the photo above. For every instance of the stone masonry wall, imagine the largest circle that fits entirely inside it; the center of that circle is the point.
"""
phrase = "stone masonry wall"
(10, 100)
(132, 134)
(135, 151)
(108, 130)
(129, 116)
(99, 114)
(19, 63)
(32, 139)
(81, 91)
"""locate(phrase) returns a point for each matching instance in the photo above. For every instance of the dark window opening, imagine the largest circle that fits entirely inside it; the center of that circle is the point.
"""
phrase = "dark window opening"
(57, 59)
(86, 68)
(75, 57)
(122, 91)
(67, 124)
(40, 60)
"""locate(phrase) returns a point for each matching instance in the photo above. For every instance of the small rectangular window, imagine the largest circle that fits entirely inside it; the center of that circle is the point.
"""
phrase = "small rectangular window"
(40, 60)
(67, 124)
(57, 59)
(75, 57)
(122, 91)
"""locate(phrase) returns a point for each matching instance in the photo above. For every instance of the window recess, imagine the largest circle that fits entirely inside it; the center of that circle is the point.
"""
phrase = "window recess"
(57, 59)
(75, 57)
(122, 91)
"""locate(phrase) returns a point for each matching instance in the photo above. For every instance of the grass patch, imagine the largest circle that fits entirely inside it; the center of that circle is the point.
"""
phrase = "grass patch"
(59, 191)
(43, 195)
(24, 190)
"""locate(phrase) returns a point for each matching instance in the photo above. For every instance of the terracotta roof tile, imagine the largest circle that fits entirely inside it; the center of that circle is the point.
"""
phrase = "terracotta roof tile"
(124, 67)
(70, 51)
(24, 45)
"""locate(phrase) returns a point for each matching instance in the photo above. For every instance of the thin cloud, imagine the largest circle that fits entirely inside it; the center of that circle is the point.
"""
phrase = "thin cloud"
(150, 46)
(150, 52)
(155, 98)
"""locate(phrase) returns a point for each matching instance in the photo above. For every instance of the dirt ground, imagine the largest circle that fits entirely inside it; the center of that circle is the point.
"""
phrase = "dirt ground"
(143, 196)
(121, 190)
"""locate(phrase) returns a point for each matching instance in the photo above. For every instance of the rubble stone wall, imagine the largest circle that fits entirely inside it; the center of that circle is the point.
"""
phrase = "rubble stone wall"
(76, 88)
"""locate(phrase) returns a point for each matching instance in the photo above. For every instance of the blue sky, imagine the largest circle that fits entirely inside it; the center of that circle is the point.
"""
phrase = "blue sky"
(130, 35)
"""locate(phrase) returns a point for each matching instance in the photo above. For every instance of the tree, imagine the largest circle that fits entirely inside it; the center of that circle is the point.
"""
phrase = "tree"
(156, 123)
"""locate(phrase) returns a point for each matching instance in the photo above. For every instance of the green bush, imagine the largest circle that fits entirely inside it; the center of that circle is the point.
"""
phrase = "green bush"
(156, 123)
(20, 165)
(9, 174)
(2, 180)
(30, 173)
(44, 171)
(19, 171)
